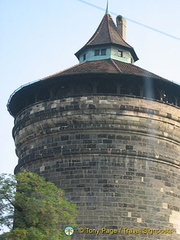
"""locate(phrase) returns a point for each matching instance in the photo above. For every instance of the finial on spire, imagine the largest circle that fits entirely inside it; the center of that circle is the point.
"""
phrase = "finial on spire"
(107, 7)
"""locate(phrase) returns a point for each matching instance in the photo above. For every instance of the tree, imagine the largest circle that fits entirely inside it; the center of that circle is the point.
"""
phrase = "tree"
(34, 208)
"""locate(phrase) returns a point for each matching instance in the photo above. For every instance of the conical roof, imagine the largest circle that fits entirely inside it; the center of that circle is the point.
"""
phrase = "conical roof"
(107, 34)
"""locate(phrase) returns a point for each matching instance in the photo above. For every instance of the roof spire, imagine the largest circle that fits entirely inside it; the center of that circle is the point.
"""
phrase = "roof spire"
(107, 7)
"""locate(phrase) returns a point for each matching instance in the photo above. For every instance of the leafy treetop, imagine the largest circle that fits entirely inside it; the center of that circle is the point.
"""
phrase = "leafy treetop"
(33, 208)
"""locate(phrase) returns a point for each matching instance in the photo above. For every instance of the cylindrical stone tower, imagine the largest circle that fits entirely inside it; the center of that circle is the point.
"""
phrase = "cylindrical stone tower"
(108, 133)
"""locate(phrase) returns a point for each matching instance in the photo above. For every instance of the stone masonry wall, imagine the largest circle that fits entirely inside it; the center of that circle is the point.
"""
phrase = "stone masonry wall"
(116, 157)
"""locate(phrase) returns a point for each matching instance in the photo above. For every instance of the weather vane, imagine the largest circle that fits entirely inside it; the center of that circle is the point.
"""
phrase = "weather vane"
(107, 7)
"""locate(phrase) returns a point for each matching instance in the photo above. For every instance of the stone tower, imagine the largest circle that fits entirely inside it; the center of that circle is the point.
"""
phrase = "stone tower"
(108, 133)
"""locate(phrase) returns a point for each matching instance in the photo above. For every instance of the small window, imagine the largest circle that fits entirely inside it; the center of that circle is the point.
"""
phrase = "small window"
(97, 52)
(103, 52)
(120, 53)
(84, 57)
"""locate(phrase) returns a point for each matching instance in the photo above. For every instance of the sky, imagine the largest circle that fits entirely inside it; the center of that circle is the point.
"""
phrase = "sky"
(40, 37)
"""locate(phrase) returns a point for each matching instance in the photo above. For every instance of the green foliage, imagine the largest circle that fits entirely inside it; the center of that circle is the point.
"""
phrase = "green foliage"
(7, 198)
(40, 209)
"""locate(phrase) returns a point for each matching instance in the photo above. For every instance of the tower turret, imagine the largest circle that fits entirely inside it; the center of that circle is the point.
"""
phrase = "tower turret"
(108, 42)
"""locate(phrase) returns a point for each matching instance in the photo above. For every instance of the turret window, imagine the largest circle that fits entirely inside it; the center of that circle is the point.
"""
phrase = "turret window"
(97, 52)
(100, 52)
(84, 57)
(103, 52)
(120, 53)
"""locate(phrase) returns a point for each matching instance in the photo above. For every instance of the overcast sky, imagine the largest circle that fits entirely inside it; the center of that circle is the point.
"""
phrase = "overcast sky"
(40, 37)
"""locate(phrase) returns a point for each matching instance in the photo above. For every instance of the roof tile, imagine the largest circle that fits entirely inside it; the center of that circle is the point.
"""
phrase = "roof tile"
(105, 66)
